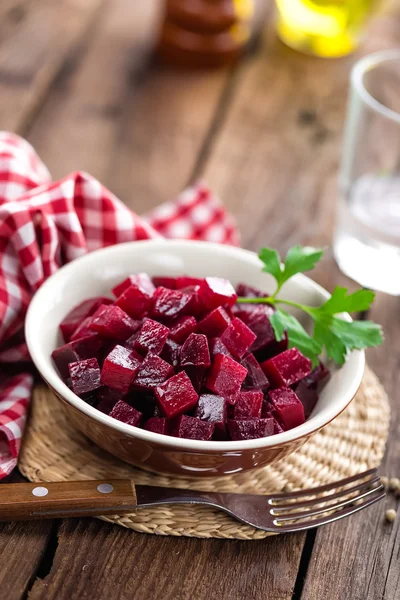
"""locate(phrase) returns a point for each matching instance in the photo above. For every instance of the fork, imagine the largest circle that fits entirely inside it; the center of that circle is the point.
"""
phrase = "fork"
(276, 513)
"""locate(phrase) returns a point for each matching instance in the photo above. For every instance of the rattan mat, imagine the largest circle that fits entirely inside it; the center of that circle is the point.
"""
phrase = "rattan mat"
(54, 451)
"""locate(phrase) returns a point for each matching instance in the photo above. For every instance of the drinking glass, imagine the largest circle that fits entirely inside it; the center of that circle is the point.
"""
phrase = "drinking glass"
(367, 238)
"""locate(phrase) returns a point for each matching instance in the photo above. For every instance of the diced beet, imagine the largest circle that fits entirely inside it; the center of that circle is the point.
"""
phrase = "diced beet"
(193, 429)
(317, 378)
(247, 291)
(248, 405)
(256, 318)
(112, 322)
(125, 413)
(86, 347)
(196, 376)
(169, 304)
(139, 279)
(176, 395)
(130, 342)
(287, 368)
(289, 409)
(152, 337)
(215, 291)
(143, 400)
(308, 396)
(218, 347)
(212, 408)
(185, 281)
(271, 350)
(250, 429)
(215, 322)
(171, 352)
(85, 309)
(119, 369)
(255, 375)
(196, 306)
(136, 301)
(167, 282)
(107, 399)
(153, 372)
(83, 330)
(63, 356)
(156, 425)
(225, 376)
(277, 427)
(238, 338)
(85, 375)
(195, 352)
(182, 328)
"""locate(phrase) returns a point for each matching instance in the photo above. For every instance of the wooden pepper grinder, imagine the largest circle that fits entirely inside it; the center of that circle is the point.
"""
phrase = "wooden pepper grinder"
(204, 33)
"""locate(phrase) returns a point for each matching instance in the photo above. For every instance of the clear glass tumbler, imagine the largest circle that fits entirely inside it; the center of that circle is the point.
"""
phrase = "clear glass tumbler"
(367, 238)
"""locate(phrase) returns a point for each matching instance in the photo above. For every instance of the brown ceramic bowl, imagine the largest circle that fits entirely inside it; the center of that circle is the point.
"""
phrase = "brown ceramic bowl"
(95, 274)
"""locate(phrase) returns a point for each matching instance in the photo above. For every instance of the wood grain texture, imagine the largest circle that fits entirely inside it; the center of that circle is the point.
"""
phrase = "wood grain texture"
(32, 51)
(358, 558)
(131, 566)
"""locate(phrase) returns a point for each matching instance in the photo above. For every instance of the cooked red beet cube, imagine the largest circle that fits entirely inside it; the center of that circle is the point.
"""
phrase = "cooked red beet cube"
(193, 429)
(308, 396)
(136, 301)
(141, 280)
(271, 350)
(213, 409)
(182, 328)
(185, 281)
(247, 291)
(256, 318)
(125, 413)
(107, 399)
(238, 338)
(248, 405)
(255, 375)
(250, 429)
(86, 347)
(215, 291)
(167, 282)
(176, 395)
(196, 376)
(215, 322)
(218, 347)
(83, 330)
(152, 337)
(171, 352)
(168, 304)
(119, 369)
(225, 376)
(130, 342)
(85, 375)
(195, 352)
(196, 306)
(277, 427)
(156, 425)
(287, 368)
(85, 309)
(288, 407)
(112, 322)
(317, 378)
(153, 372)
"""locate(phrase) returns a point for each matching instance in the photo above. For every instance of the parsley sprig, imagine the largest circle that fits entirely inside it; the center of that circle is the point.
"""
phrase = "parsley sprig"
(337, 336)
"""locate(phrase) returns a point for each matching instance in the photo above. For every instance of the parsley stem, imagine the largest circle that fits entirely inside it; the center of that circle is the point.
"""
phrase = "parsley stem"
(310, 310)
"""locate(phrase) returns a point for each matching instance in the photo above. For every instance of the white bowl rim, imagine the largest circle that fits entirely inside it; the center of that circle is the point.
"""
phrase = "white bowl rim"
(51, 376)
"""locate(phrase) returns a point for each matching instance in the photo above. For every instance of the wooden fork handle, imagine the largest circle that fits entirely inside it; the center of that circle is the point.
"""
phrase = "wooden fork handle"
(27, 501)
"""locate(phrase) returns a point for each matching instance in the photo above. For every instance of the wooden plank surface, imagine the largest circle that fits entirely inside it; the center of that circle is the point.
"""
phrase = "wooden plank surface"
(131, 566)
(35, 40)
(358, 558)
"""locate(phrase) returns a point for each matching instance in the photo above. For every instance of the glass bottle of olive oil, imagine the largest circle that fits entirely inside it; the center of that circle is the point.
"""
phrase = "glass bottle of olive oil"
(326, 28)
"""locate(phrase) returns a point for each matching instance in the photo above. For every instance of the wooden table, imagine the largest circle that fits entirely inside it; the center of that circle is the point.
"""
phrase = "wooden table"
(77, 79)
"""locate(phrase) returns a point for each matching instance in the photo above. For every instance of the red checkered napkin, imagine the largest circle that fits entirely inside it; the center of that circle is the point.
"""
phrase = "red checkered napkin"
(43, 225)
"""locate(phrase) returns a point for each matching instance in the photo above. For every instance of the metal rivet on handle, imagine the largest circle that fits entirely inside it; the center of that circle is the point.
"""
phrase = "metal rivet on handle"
(105, 488)
(40, 491)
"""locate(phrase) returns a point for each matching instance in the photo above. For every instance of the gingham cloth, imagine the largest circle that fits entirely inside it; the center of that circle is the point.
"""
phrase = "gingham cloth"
(43, 225)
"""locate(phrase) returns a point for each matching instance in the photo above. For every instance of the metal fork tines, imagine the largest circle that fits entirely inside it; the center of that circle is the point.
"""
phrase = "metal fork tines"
(284, 512)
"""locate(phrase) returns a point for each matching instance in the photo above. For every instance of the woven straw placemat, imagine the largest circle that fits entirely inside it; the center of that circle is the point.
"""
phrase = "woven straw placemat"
(54, 451)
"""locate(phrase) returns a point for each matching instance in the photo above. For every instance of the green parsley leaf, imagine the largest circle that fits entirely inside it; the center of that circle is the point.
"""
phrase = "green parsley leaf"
(272, 263)
(282, 321)
(341, 301)
(300, 259)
